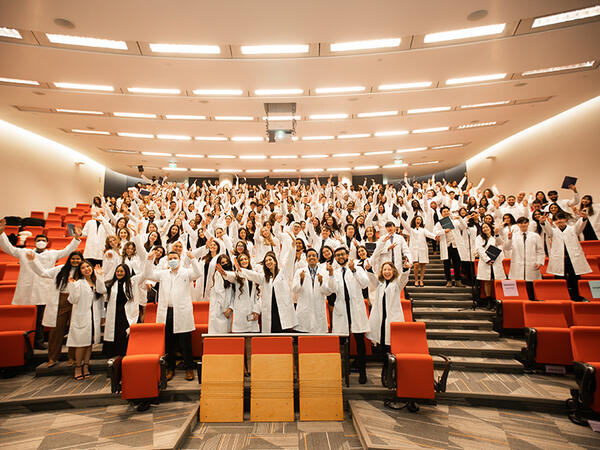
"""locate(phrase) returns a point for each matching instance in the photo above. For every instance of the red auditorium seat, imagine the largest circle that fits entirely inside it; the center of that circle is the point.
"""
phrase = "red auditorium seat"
(591, 248)
(11, 229)
(5, 258)
(594, 262)
(62, 210)
(510, 309)
(37, 214)
(585, 401)
(413, 365)
(84, 206)
(546, 334)
(586, 292)
(6, 293)
(59, 243)
(56, 232)
(201, 321)
(72, 218)
(544, 270)
(150, 314)
(407, 310)
(53, 224)
(554, 291)
(17, 327)
(34, 230)
(506, 265)
(12, 272)
(2, 270)
(586, 314)
(54, 217)
(143, 369)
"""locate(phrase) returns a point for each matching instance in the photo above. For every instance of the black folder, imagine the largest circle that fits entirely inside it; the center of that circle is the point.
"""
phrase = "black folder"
(568, 181)
(493, 252)
(446, 223)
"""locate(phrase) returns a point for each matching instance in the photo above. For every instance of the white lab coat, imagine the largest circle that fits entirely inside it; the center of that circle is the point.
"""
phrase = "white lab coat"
(177, 285)
(381, 253)
(566, 239)
(311, 308)
(32, 289)
(524, 258)
(51, 309)
(469, 236)
(132, 309)
(355, 282)
(417, 244)
(201, 292)
(86, 313)
(393, 307)
(221, 299)
(245, 302)
(96, 239)
(484, 270)
(459, 224)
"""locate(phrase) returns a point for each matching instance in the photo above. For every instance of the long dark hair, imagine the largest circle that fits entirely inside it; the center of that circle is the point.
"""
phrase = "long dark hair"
(62, 278)
(590, 208)
(126, 281)
(322, 258)
(157, 243)
(482, 234)
(267, 272)
(227, 266)
(208, 257)
(171, 239)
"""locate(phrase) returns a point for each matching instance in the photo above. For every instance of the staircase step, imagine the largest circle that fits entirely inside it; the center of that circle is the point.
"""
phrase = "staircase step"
(428, 282)
(481, 335)
(62, 368)
(500, 349)
(451, 313)
(465, 324)
(450, 295)
(442, 290)
(479, 364)
(418, 303)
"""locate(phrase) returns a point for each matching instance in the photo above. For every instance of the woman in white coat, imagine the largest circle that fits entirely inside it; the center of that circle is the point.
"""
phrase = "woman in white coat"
(310, 286)
(452, 247)
(208, 255)
(417, 244)
(220, 307)
(175, 308)
(278, 314)
(591, 231)
(246, 302)
(488, 269)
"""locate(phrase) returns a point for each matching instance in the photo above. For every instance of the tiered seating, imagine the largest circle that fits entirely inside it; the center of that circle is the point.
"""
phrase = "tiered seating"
(201, 322)
(510, 309)
(17, 328)
(586, 292)
(554, 291)
(585, 401)
(58, 232)
(590, 248)
(150, 314)
(34, 230)
(37, 214)
(11, 229)
(222, 393)
(2, 270)
(586, 314)
(6, 293)
(320, 378)
(546, 334)
(11, 273)
(272, 384)
(409, 368)
(594, 262)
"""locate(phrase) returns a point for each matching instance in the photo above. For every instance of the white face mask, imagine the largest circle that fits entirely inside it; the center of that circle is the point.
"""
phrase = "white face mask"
(41, 245)
(173, 263)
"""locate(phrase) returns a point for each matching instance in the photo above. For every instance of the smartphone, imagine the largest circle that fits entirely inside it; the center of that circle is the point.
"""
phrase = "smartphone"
(144, 192)
(71, 229)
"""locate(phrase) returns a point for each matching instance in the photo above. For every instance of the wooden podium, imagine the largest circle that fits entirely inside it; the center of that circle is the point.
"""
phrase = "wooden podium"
(272, 380)
(222, 392)
(320, 378)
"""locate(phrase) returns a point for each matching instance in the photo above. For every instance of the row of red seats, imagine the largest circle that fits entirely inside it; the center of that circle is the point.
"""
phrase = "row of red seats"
(17, 330)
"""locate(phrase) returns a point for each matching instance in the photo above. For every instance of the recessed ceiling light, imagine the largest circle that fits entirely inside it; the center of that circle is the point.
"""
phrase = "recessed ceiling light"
(202, 170)
(427, 110)
(136, 135)
(354, 136)
(338, 169)
(366, 167)
(437, 147)
(184, 117)
(476, 125)
(155, 154)
(84, 87)
(176, 169)
(381, 152)
(76, 130)
(247, 138)
(229, 170)
(256, 170)
(281, 118)
(430, 130)
(364, 45)
(186, 48)
(174, 137)
(465, 33)
(566, 16)
(220, 156)
(142, 90)
(314, 156)
(424, 163)
(210, 138)
(317, 138)
(328, 116)
(115, 150)
(274, 49)
(391, 133)
(483, 105)
(18, 81)
(338, 90)
(234, 118)
(414, 149)
(187, 155)
(86, 41)
(135, 115)
(278, 91)
(284, 170)
(79, 111)
(377, 114)
(476, 78)
(218, 92)
(311, 170)
(394, 166)
(559, 68)
(10, 33)
(283, 156)
(253, 156)
(400, 86)
(344, 155)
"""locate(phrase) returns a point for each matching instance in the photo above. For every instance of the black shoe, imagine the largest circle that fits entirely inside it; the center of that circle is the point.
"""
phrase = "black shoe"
(40, 346)
(144, 406)
(362, 378)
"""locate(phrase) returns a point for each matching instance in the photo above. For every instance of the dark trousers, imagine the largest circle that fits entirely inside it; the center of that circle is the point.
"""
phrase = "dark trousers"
(57, 334)
(453, 259)
(572, 278)
(172, 340)
(39, 328)
(530, 292)
(468, 272)
(361, 353)
(435, 245)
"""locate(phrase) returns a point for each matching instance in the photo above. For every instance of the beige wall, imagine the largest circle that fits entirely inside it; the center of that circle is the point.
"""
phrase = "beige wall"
(39, 174)
(539, 157)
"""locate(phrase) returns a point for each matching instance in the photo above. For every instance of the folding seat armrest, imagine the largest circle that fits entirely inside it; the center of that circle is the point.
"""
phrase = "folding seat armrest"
(28, 347)
(162, 383)
(498, 318)
(440, 384)
(585, 375)
(388, 375)
(530, 350)
(114, 373)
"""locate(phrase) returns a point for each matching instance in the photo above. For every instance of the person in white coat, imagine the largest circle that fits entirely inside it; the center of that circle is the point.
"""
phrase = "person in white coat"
(122, 310)
(488, 269)
(32, 289)
(452, 247)
(96, 230)
(246, 302)
(527, 254)
(220, 307)
(175, 308)
(311, 287)
(392, 247)
(567, 259)
(418, 247)
(349, 312)
(591, 231)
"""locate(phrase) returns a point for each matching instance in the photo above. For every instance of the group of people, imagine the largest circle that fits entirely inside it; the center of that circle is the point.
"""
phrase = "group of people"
(285, 257)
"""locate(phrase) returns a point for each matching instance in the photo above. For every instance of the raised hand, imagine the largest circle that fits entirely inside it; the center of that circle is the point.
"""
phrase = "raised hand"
(152, 255)
(77, 232)
(190, 255)
(320, 278)
(351, 265)
(220, 269)
(30, 255)
(98, 270)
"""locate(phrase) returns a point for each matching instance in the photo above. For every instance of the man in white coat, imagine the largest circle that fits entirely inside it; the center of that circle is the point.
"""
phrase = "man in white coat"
(349, 311)
(31, 288)
(175, 308)
(96, 231)
(452, 247)
(311, 287)
(567, 259)
(392, 247)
